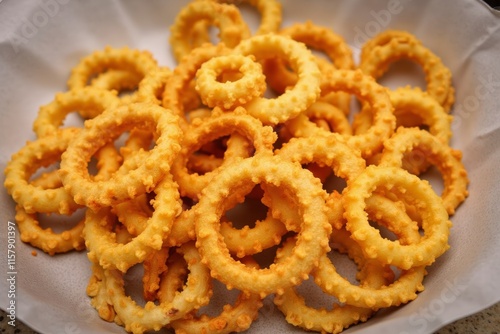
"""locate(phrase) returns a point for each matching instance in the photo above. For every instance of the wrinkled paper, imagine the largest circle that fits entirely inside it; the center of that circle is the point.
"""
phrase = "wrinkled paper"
(40, 41)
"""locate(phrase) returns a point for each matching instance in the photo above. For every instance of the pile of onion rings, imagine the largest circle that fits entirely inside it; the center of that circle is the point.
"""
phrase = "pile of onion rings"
(164, 173)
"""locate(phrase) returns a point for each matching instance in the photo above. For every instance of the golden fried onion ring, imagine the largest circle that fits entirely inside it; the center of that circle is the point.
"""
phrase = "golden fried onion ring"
(232, 319)
(312, 240)
(297, 313)
(368, 91)
(139, 319)
(183, 75)
(23, 164)
(318, 38)
(100, 130)
(88, 100)
(101, 241)
(435, 221)
(208, 129)
(233, 29)
(298, 98)
(139, 62)
(439, 85)
(446, 159)
(231, 93)
(404, 289)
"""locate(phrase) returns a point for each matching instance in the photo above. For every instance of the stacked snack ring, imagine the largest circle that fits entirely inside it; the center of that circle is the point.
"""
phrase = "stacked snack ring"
(167, 174)
(230, 94)
(317, 38)
(233, 29)
(298, 98)
(391, 47)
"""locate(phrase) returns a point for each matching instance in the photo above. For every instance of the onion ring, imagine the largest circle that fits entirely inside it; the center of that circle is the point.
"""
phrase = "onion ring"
(297, 99)
(270, 14)
(139, 319)
(385, 37)
(70, 238)
(311, 241)
(344, 161)
(46, 239)
(412, 107)
(435, 220)
(184, 74)
(102, 245)
(87, 100)
(297, 313)
(218, 125)
(438, 76)
(230, 94)
(232, 319)
(113, 122)
(227, 18)
(318, 38)
(403, 290)
(446, 159)
(368, 91)
(140, 62)
(408, 102)
(39, 153)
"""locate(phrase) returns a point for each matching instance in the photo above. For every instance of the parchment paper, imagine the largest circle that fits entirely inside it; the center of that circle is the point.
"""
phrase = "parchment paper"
(41, 40)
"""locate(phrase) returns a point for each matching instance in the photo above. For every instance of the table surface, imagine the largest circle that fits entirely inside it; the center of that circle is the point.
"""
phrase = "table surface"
(484, 322)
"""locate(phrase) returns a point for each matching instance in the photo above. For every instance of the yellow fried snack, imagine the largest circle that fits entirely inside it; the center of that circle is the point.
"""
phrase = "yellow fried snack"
(295, 100)
(249, 83)
(311, 242)
(447, 160)
(233, 29)
(87, 100)
(377, 58)
(164, 156)
(411, 189)
(140, 62)
(42, 152)
(101, 130)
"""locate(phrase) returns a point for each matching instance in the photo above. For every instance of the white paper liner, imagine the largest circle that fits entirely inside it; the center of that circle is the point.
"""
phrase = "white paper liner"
(40, 41)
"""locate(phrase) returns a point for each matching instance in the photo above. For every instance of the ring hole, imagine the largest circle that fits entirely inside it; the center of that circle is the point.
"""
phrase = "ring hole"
(247, 213)
(344, 265)
(383, 230)
(47, 177)
(174, 278)
(267, 257)
(133, 284)
(334, 183)
(60, 223)
(250, 15)
(403, 72)
(73, 120)
(229, 76)
(435, 178)
(314, 297)
(221, 297)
